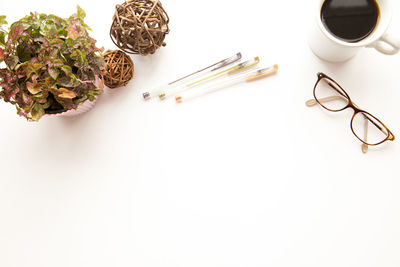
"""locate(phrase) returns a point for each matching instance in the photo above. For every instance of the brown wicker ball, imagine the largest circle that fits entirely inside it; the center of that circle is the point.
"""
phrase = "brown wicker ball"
(139, 26)
(119, 69)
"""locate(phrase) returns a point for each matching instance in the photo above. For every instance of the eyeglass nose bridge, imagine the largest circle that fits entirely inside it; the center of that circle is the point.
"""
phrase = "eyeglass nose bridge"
(354, 107)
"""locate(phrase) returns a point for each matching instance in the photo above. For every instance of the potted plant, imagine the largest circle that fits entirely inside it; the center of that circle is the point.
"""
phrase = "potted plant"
(49, 65)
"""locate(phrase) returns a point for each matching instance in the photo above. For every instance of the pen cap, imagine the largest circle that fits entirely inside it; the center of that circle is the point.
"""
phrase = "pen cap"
(262, 73)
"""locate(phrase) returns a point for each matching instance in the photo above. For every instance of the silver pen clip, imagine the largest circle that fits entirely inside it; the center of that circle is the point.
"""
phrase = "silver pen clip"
(217, 65)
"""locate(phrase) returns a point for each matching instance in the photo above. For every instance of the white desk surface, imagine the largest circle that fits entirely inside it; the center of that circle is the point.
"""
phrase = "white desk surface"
(248, 176)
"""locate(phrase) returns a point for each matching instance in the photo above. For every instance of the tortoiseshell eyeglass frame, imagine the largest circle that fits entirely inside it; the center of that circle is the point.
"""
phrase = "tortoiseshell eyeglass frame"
(350, 104)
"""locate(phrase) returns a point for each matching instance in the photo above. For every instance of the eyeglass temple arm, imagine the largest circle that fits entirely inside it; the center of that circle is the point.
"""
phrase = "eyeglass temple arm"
(313, 102)
(331, 85)
(364, 147)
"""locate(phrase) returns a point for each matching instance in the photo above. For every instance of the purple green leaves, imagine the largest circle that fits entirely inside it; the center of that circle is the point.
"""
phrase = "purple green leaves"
(3, 33)
(73, 30)
(11, 61)
(51, 63)
(80, 13)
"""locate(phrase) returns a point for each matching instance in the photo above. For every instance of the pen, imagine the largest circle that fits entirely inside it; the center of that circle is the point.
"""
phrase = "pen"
(212, 68)
(247, 77)
(249, 64)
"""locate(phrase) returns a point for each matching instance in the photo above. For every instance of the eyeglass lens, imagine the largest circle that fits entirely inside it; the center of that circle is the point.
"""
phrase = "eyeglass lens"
(368, 129)
(330, 95)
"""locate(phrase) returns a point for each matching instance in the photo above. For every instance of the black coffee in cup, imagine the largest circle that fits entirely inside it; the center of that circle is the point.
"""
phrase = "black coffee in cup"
(350, 20)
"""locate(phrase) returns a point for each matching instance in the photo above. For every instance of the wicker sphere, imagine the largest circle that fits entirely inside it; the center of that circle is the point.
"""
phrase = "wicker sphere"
(119, 69)
(139, 26)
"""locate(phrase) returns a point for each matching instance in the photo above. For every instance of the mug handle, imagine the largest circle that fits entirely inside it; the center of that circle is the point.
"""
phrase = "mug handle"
(387, 44)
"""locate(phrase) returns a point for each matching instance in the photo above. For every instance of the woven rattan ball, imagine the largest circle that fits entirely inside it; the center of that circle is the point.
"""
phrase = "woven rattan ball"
(139, 26)
(119, 68)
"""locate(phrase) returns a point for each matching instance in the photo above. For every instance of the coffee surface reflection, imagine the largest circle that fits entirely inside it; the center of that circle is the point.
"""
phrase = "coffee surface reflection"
(350, 20)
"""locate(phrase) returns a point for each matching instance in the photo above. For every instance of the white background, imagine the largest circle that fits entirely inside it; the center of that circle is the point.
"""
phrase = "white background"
(248, 176)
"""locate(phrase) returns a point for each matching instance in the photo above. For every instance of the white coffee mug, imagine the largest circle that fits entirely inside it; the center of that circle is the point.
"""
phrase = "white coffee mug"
(328, 47)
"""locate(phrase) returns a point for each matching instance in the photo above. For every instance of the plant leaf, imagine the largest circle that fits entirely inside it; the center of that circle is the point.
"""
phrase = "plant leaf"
(3, 20)
(2, 38)
(71, 81)
(37, 112)
(65, 93)
(80, 12)
(53, 72)
(32, 89)
(99, 83)
(12, 61)
(72, 30)
(67, 70)
(27, 99)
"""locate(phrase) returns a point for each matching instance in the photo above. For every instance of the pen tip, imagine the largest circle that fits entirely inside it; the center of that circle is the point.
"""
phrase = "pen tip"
(146, 96)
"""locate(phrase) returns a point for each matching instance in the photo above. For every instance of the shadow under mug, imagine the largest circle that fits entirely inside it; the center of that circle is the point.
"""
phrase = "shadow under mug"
(328, 47)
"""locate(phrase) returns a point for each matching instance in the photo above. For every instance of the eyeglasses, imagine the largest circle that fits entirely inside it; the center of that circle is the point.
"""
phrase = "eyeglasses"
(366, 127)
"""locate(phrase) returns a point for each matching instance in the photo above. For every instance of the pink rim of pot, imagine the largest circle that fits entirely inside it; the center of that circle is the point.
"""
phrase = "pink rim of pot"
(82, 108)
